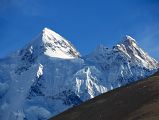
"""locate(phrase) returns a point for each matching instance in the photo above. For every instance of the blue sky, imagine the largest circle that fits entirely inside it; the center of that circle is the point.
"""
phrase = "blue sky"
(86, 23)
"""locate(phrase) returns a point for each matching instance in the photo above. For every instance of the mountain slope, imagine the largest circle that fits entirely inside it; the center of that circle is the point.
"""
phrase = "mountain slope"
(48, 75)
(138, 101)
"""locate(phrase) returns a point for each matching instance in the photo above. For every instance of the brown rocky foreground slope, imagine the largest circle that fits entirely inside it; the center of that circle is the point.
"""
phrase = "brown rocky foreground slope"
(138, 101)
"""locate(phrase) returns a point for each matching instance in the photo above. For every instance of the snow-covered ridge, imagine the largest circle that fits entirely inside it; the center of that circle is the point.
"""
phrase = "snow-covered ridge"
(130, 47)
(47, 76)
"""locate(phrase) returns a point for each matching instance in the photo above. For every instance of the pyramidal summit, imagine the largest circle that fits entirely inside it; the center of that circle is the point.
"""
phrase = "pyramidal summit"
(49, 76)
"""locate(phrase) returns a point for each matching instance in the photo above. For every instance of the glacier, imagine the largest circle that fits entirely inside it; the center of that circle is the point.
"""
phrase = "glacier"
(49, 76)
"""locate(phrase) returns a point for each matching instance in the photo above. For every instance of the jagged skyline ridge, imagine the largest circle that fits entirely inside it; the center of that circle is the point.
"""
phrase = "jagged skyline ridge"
(21, 20)
(38, 82)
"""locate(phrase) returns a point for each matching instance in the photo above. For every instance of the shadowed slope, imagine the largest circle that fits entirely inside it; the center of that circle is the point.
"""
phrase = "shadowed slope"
(138, 101)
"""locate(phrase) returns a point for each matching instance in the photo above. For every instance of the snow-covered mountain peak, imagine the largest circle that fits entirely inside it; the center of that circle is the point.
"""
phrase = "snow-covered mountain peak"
(129, 41)
(127, 37)
(52, 44)
(132, 50)
(128, 49)
(46, 32)
(57, 46)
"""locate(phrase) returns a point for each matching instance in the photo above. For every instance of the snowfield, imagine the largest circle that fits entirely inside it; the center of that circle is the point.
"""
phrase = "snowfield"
(49, 75)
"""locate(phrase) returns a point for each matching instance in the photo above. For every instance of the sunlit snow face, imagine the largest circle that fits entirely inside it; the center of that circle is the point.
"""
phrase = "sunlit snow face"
(134, 44)
(51, 44)
(57, 46)
(131, 41)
